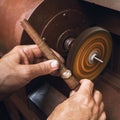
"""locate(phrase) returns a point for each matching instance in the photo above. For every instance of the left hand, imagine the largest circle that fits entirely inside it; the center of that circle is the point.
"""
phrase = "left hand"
(21, 65)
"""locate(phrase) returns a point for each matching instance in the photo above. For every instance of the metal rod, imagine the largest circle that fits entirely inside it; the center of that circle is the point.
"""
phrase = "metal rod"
(93, 56)
(98, 59)
(65, 73)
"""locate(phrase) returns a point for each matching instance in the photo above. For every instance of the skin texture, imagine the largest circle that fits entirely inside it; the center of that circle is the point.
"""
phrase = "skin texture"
(23, 63)
(85, 104)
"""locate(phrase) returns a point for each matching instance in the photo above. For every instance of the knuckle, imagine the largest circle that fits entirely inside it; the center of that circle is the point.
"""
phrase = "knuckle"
(91, 104)
(97, 97)
(84, 99)
(78, 98)
(99, 94)
(89, 83)
(44, 68)
(17, 47)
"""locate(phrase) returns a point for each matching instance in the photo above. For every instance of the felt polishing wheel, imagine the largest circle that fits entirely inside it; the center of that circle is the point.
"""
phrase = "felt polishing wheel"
(91, 43)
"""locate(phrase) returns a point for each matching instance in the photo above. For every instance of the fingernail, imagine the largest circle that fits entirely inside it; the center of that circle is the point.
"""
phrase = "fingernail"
(54, 64)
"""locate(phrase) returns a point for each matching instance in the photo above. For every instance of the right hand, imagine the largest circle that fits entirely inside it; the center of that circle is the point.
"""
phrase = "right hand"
(82, 105)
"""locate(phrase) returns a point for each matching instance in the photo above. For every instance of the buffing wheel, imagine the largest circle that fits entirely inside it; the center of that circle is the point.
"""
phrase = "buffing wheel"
(90, 53)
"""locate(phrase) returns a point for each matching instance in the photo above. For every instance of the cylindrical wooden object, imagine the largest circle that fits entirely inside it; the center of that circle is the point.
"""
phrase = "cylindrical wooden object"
(71, 81)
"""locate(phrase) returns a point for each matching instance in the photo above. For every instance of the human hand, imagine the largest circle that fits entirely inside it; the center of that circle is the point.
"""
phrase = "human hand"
(85, 104)
(21, 65)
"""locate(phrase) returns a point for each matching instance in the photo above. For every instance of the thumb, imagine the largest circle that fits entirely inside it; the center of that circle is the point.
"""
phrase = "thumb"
(43, 68)
(86, 90)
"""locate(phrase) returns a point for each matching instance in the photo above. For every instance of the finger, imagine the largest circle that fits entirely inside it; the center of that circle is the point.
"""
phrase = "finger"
(97, 97)
(92, 105)
(29, 54)
(101, 108)
(35, 70)
(26, 53)
(32, 50)
(103, 116)
(86, 90)
(95, 112)
(86, 87)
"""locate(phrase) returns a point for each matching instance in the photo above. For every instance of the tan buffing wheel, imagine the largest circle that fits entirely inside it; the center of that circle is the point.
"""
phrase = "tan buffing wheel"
(90, 53)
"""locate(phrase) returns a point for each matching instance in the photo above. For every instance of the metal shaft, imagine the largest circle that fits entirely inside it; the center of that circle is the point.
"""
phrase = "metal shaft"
(93, 56)
(98, 59)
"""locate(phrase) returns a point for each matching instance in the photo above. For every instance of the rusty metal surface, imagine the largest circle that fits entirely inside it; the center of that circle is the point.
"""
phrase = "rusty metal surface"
(11, 13)
(112, 4)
